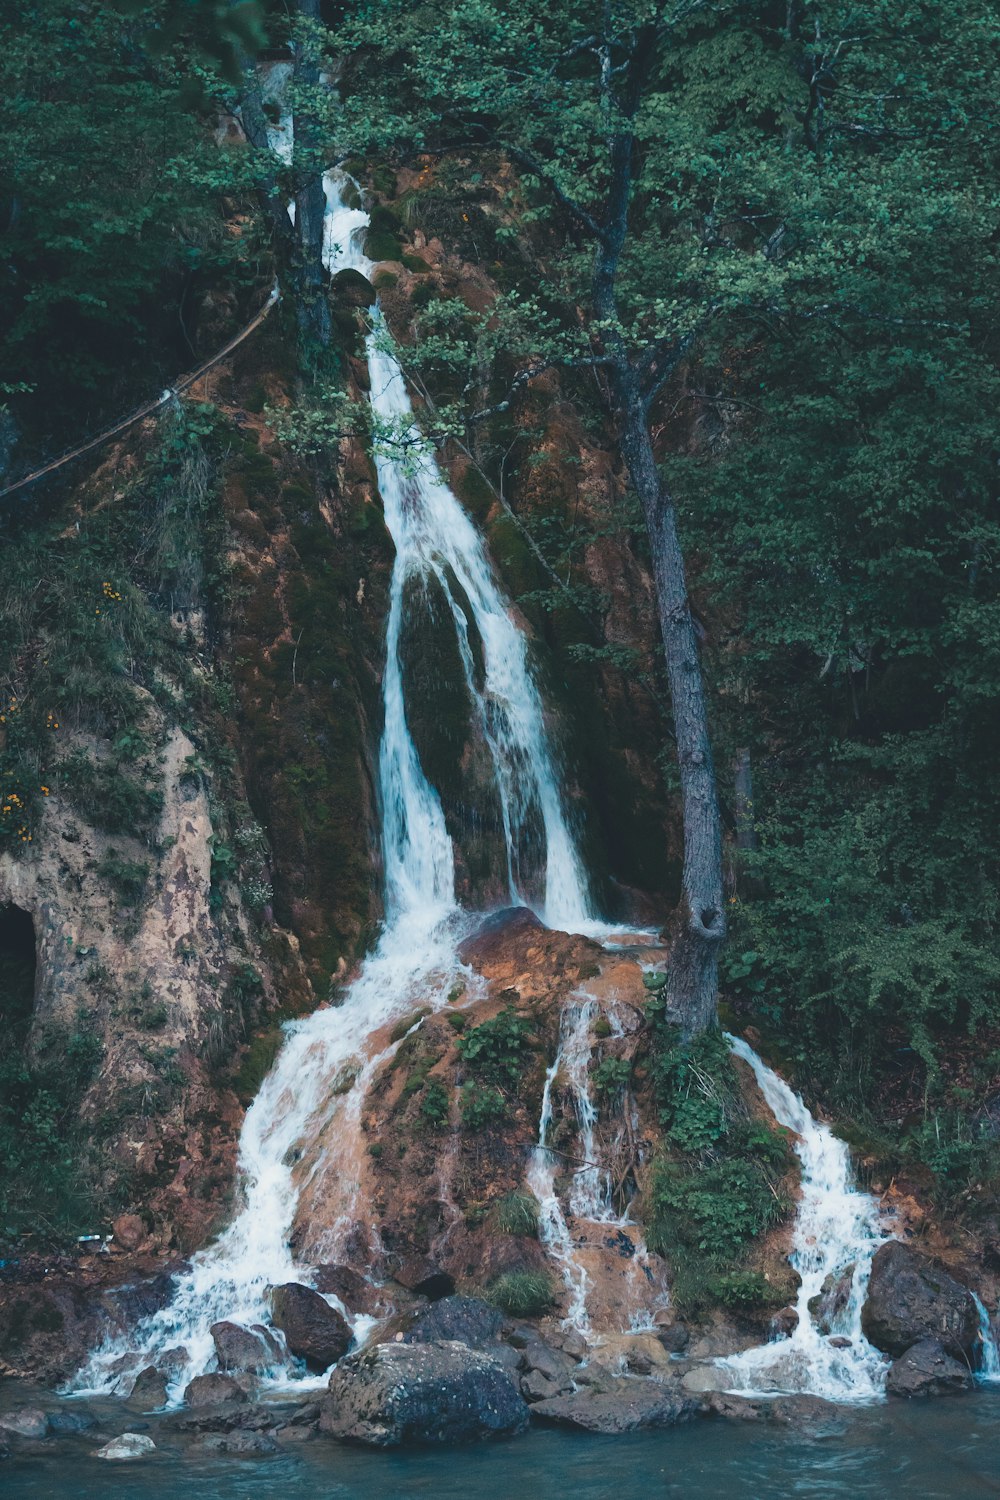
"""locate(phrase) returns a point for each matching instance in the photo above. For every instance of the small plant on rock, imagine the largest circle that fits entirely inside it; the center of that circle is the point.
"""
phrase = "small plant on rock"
(522, 1294)
(516, 1213)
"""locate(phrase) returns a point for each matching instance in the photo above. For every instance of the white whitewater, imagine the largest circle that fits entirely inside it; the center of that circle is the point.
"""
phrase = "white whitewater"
(589, 1200)
(837, 1231)
(989, 1355)
(572, 1059)
(304, 1125)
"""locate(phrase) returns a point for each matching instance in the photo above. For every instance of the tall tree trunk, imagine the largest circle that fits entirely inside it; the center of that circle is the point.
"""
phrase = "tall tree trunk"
(312, 305)
(692, 976)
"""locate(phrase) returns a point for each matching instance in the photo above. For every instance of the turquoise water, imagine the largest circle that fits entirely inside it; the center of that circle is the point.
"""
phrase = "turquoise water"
(926, 1450)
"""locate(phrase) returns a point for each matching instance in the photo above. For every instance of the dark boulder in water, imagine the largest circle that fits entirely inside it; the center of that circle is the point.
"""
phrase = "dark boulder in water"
(631, 1404)
(466, 1320)
(911, 1298)
(313, 1330)
(149, 1390)
(441, 1392)
(926, 1369)
(212, 1390)
(238, 1348)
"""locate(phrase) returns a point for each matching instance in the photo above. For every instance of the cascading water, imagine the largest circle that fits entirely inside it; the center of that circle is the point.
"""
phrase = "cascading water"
(837, 1231)
(589, 1201)
(989, 1356)
(302, 1135)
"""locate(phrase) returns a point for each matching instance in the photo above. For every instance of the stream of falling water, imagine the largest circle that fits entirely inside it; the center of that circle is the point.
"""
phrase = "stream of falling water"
(589, 1201)
(303, 1129)
(837, 1231)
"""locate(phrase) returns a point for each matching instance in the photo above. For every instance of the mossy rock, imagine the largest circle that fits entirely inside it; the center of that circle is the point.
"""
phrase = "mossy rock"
(381, 245)
(350, 289)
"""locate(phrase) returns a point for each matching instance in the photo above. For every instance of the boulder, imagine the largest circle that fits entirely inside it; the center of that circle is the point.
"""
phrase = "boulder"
(129, 1231)
(537, 1387)
(674, 1337)
(628, 1405)
(313, 1329)
(553, 1364)
(510, 925)
(425, 1277)
(784, 1323)
(927, 1369)
(354, 1290)
(705, 1378)
(831, 1300)
(247, 1444)
(71, 1419)
(212, 1390)
(129, 1445)
(439, 1392)
(25, 1422)
(149, 1390)
(467, 1320)
(911, 1298)
(245, 1349)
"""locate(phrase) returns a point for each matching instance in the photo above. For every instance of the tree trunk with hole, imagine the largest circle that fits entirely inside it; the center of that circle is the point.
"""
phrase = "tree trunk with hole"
(692, 975)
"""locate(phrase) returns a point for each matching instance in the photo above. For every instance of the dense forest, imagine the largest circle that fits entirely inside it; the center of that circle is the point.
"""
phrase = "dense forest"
(694, 308)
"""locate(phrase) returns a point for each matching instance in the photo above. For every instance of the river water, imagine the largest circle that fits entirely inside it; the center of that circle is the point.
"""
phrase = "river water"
(929, 1451)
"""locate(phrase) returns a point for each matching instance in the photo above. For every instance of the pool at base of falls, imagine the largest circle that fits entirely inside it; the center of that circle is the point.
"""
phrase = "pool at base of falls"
(938, 1450)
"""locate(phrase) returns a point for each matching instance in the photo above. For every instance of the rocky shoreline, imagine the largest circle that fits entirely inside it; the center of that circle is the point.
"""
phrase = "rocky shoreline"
(454, 1369)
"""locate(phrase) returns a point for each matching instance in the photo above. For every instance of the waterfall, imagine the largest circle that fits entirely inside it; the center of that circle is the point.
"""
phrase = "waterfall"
(989, 1356)
(589, 1200)
(301, 1135)
(837, 1231)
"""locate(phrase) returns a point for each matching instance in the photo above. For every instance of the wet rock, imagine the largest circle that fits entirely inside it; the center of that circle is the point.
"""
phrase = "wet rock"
(553, 1364)
(354, 1290)
(212, 1390)
(429, 1393)
(831, 1299)
(631, 1404)
(569, 1340)
(911, 1298)
(537, 1387)
(418, 1274)
(313, 1329)
(674, 1337)
(840, 1342)
(129, 1445)
(927, 1369)
(705, 1378)
(128, 1304)
(226, 1416)
(129, 1231)
(246, 1444)
(245, 1349)
(497, 933)
(784, 1323)
(464, 1319)
(149, 1390)
(467, 1319)
(71, 1419)
(25, 1422)
(790, 1410)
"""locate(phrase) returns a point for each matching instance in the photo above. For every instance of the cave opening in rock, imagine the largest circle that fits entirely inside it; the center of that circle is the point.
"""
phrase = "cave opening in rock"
(17, 967)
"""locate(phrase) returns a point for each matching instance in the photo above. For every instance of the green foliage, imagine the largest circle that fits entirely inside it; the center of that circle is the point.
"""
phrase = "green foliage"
(482, 1106)
(114, 187)
(127, 877)
(714, 1189)
(497, 1051)
(435, 1104)
(609, 1078)
(515, 1213)
(521, 1294)
(45, 1188)
(743, 1290)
